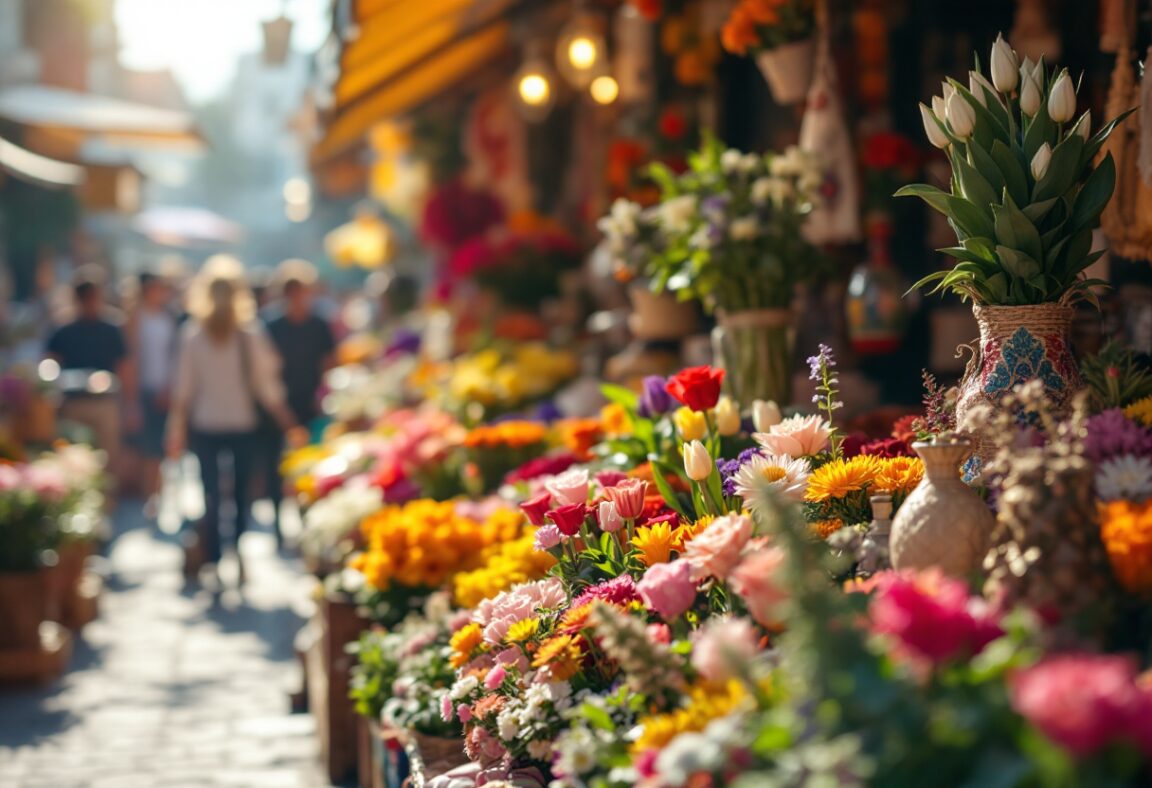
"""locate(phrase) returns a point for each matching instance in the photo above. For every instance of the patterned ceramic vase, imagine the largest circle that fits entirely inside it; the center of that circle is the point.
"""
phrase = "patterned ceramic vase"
(1019, 344)
(943, 523)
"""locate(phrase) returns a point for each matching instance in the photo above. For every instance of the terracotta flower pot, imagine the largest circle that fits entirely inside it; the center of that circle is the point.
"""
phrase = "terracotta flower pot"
(788, 69)
(24, 603)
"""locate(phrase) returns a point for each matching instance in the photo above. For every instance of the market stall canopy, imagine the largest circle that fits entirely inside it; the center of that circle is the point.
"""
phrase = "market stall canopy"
(185, 226)
(85, 115)
(407, 53)
(37, 169)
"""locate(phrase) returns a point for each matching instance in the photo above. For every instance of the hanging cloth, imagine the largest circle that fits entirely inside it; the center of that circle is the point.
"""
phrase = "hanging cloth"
(1127, 221)
(824, 133)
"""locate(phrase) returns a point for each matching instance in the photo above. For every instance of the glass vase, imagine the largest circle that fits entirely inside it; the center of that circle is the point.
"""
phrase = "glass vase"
(754, 347)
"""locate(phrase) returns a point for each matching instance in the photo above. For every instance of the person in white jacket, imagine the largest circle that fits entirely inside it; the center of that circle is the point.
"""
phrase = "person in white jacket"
(227, 383)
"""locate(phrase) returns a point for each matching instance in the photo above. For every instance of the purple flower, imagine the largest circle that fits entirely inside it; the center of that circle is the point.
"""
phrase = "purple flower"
(729, 468)
(715, 208)
(822, 360)
(654, 397)
(404, 342)
(1111, 434)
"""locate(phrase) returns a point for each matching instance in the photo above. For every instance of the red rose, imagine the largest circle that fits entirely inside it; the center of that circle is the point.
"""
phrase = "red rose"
(537, 507)
(568, 518)
(672, 124)
(696, 387)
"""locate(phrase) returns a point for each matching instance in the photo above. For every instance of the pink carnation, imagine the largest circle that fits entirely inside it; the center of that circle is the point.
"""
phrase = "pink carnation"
(716, 551)
(798, 436)
(446, 710)
(756, 583)
(494, 679)
(722, 646)
(464, 712)
(618, 591)
(1084, 702)
(932, 616)
(668, 588)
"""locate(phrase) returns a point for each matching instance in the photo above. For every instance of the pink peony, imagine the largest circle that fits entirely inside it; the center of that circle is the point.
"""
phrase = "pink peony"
(570, 487)
(628, 496)
(932, 616)
(608, 517)
(668, 588)
(754, 579)
(1084, 702)
(722, 646)
(716, 550)
(798, 436)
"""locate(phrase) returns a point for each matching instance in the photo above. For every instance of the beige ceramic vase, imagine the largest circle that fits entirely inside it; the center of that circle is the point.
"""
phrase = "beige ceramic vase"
(943, 523)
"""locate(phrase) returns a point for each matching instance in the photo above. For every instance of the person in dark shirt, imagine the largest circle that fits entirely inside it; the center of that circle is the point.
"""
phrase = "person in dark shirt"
(306, 346)
(93, 343)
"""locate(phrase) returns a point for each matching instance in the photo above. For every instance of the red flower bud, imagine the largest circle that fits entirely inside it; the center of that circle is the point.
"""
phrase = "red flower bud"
(697, 387)
(536, 508)
(569, 518)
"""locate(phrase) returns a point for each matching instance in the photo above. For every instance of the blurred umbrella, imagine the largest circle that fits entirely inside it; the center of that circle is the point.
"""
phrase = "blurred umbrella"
(180, 226)
(37, 169)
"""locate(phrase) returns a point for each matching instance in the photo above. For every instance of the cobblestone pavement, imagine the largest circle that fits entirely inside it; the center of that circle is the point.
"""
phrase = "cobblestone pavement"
(171, 686)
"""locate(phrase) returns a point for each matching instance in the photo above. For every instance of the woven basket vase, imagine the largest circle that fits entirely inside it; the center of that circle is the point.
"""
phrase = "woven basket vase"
(1019, 344)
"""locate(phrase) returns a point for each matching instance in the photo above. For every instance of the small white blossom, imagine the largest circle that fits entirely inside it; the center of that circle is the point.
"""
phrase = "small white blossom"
(677, 214)
(1124, 478)
(730, 160)
(464, 687)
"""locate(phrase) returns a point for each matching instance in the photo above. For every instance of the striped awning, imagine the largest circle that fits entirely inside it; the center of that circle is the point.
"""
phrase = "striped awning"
(406, 53)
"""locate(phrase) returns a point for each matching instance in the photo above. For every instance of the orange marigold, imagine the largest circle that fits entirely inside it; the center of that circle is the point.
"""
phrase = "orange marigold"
(826, 528)
(1126, 529)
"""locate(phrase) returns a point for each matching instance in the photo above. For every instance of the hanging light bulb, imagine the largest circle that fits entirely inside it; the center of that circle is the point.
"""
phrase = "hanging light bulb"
(534, 86)
(604, 89)
(581, 49)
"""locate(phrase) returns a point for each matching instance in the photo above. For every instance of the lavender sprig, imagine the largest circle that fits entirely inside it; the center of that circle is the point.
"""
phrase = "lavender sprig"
(822, 370)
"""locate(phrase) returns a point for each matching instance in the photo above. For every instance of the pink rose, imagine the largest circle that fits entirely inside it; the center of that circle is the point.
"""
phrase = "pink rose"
(932, 616)
(798, 436)
(668, 588)
(628, 496)
(494, 679)
(716, 551)
(754, 579)
(1085, 702)
(608, 517)
(570, 487)
(723, 646)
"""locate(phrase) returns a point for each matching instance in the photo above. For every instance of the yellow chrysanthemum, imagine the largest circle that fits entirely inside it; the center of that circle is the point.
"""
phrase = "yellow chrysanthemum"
(464, 642)
(1126, 529)
(523, 630)
(899, 475)
(826, 528)
(1141, 411)
(655, 543)
(706, 702)
(841, 477)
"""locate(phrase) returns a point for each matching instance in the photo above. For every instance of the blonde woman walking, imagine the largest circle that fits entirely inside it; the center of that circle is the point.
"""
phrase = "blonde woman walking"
(227, 383)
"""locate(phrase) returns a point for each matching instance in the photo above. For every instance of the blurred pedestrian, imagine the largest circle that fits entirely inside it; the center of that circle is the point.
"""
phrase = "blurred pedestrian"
(227, 383)
(307, 346)
(97, 369)
(153, 338)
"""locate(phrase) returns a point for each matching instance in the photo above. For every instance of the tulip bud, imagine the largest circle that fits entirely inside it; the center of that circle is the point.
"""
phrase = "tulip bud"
(949, 91)
(1041, 161)
(1029, 94)
(936, 135)
(938, 109)
(697, 461)
(980, 87)
(1004, 65)
(609, 517)
(1083, 127)
(727, 417)
(961, 116)
(1062, 99)
(690, 424)
(765, 415)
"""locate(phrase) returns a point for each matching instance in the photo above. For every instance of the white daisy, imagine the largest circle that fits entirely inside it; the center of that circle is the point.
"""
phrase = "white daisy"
(787, 477)
(1125, 478)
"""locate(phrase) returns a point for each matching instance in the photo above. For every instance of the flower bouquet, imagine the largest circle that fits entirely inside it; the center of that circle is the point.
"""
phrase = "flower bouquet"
(728, 232)
(522, 269)
(781, 33)
(1026, 192)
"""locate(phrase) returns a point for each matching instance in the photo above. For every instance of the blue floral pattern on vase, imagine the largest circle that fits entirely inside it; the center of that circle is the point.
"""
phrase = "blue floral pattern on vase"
(1023, 357)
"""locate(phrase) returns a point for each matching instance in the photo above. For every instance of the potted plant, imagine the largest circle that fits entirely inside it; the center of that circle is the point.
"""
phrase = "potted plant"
(781, 33)
(1027, 189)
(28, 536)
(727, 232)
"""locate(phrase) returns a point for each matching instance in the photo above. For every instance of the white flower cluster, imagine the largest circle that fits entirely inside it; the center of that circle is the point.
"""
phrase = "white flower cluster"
(335, 517)
(1124, 478)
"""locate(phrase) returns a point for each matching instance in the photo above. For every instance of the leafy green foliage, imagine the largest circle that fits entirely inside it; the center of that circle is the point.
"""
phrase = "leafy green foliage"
(1115, 377)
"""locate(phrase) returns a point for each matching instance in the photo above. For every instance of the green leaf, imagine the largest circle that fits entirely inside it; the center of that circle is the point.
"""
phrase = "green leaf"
(665, 489)
(930, 194)
(983, 163)
(1013, 230)
(1094, 195)
(985, 248)
(1018, 264)
(1042, 129)
(1011, 171)
(974, 186)
(1038, 210)
(1063, 170)
(997, 286)
(597, 716)
(1097, 140)
(620, 395)
(965, 217)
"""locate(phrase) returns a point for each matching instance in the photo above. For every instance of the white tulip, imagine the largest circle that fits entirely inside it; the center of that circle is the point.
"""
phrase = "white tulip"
(980, 87)
(936, 135)
(961, 116)
(1029, 93)
(1041, 161)
(1083, 126)
(1062, 99)
(765, 415)
(698, 464)
(938, 109)
(1004, 66)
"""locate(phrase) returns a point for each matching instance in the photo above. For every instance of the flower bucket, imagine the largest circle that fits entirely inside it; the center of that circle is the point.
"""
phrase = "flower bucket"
(659, 316)
(24, 603)
(1019, 344)
(788, 70)
(754, 347)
